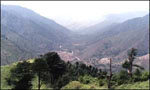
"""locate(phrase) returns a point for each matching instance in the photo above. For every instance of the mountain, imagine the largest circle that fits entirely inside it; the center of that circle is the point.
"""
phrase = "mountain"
(109, 20)
(143, 61)
(25, 34)
(121, 17)
(115, 41)
(96, 28)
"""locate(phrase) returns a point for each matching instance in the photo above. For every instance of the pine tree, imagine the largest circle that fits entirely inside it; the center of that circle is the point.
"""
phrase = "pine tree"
(21, 76)
(40, 67)
(56, 67)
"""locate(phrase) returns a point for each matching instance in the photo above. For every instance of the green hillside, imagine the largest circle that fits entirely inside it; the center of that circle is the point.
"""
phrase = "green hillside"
(5, 72)
(78, 85)
(83, 82)
(138, 85)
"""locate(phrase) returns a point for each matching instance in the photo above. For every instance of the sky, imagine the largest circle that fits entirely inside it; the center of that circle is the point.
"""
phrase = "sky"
(80, 12)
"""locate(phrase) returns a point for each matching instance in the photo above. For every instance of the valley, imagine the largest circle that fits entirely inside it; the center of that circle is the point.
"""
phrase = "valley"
(25, 37)
(39, 52)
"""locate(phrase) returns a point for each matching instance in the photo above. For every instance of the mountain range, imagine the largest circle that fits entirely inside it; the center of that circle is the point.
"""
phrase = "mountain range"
(113, 41)
(26, 34)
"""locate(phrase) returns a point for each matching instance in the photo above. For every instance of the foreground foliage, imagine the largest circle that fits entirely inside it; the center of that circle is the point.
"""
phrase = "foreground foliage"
(49, 71)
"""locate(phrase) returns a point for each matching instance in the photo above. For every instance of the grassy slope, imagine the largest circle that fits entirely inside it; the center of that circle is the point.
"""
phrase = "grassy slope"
(78, 85)
(138, 85)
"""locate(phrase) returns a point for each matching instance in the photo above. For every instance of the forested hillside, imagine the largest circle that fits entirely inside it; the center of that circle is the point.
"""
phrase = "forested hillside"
(50, 72)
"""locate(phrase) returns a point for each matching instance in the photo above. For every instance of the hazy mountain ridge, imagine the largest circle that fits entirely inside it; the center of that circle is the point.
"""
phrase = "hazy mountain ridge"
(131, 33)
(110, 19)
(115, 41)
(29, 32)
(124, 16)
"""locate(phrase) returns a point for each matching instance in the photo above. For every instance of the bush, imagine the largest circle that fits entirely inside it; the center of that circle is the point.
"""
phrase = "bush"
(102, 82)
(145, 76)
(85, 79)
(140, 76)
(137, 75)
(80, 79)
(121, 77)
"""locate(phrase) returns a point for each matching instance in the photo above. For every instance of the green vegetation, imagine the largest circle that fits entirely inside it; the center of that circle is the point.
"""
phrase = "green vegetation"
(79, 85)
(20, 76)
(24, 38)
(49, 71)
(5, 72)
(137, 85)
(128, 64)
(94, 85)
(94, 82)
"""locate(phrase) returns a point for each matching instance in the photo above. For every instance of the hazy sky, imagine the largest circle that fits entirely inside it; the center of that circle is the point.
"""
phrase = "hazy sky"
(79, 12)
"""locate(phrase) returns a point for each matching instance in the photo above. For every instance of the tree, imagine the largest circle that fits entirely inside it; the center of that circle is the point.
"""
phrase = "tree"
(40, 67)
(56, 67)
(128, 64)
(21, 76)
(62, 81)
(110, 75)
(131, 57)
(137, 75)
(125, 65)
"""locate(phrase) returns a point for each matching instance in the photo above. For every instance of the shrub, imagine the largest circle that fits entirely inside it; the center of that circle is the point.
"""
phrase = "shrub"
(85, 79)
(145, 76)
(101, 82)
(121, 77)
